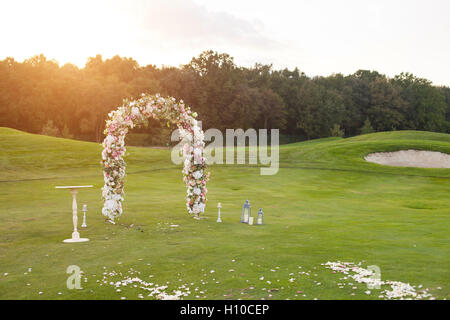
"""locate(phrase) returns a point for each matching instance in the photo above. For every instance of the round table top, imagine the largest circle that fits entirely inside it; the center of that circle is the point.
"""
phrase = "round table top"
(72, 187)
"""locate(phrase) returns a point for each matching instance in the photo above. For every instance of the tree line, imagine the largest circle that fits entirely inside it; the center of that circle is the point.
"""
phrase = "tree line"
(39, 96)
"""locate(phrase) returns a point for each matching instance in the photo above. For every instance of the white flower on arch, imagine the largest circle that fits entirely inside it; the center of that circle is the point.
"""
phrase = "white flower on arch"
(136, 113)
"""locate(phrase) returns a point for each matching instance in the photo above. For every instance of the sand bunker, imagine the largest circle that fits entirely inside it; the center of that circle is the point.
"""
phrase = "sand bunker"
(411, 158)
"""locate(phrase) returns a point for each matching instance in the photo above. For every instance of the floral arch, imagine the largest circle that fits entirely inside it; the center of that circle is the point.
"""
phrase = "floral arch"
(136, 113)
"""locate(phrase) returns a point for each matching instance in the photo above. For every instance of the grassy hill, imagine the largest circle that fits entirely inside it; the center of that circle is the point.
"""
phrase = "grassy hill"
(325, 204)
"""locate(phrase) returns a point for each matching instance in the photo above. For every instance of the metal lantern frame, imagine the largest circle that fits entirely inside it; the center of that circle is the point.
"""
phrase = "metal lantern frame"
(247, 207)
(84, 225)
(260, 215)
(219, 218)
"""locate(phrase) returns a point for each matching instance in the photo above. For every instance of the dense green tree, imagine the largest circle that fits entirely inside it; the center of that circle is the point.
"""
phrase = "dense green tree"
(50, 129)
(38, 95)
(272, 110)
(336, 131)
(426, 107)
(219, 81)
(367, 127)
(386, 107)
(446, 93)
(319, 110)
(245, 108)
(288, 85)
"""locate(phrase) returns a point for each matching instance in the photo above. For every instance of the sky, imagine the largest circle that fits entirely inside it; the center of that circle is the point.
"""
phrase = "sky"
(319, 37)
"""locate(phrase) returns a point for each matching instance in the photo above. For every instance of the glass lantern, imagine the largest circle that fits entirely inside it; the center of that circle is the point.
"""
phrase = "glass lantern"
(245, 216)
(84, 216)
(260, 218)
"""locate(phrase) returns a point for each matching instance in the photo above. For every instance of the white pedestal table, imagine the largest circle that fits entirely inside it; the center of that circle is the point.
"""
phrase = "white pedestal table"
(75, 234)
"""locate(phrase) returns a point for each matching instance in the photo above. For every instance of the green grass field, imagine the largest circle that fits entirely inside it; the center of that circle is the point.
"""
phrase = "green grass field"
(325, 204)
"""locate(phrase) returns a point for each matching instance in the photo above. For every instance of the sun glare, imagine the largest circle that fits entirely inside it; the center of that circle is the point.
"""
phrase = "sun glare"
(67, 32)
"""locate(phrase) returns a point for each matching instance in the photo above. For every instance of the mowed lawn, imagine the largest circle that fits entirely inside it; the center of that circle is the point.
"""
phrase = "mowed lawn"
(325, 204)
